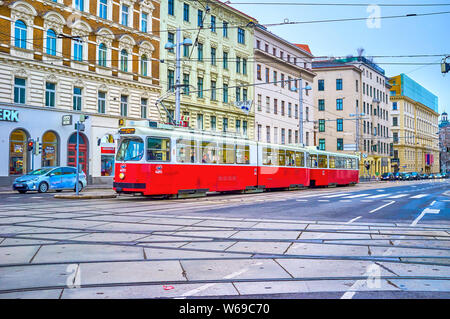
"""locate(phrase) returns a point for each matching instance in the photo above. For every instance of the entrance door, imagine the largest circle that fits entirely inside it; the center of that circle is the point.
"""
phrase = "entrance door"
(72, 152)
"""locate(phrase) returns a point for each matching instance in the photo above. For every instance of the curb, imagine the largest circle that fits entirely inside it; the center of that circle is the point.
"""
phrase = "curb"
(82, 196)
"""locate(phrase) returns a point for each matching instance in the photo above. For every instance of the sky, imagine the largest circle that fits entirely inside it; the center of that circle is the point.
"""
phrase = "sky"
(401, 36)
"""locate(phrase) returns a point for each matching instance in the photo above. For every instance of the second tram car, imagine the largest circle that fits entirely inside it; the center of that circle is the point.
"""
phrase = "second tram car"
(177, 161)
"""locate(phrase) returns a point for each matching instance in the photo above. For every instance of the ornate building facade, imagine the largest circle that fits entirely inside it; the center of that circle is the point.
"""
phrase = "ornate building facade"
(63, 58)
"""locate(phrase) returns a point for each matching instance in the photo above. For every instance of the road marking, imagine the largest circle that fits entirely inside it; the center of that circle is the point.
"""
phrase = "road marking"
(301, 200)
(374, 210)
(354, 219)
(323, 200)
(425, 211)
(398, 196)
(420, 196)
(432, 203)
(335, 195)
(378, 196)
(345, 200)
(359, 195)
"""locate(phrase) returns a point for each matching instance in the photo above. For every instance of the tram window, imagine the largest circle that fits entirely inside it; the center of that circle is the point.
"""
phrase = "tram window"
(242, 154)
(269, 156)
(290, 158)
(208, 152)
(313, 160)
(158, 149)
(332, 162)
(186, 151)
(323, 161)
(282, 157)
(349, 163)
(226, 153)
(130, 149)
(299, 159)
(307, 160)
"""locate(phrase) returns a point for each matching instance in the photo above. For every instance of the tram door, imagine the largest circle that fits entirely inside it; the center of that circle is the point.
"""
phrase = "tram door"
(72, 152)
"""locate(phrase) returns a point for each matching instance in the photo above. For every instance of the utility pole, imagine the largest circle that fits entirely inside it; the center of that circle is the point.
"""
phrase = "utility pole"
(177, 76)
(300, 110)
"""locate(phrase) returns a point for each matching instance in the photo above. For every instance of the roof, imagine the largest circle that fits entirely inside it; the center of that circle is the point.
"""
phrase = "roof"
(304, 47)
(227, 5)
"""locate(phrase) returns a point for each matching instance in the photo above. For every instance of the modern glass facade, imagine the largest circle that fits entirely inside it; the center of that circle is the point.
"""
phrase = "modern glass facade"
(415, 91)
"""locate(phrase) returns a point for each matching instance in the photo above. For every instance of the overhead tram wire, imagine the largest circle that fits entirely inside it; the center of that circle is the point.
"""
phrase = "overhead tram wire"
(342, 4)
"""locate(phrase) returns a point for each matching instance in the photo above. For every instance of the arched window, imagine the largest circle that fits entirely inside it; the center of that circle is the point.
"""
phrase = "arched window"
(77, 49)
(102, 55)
(51, 42)
(50, 149)
(20, 34)
(124, 60)
(144, 65)
(18, 154)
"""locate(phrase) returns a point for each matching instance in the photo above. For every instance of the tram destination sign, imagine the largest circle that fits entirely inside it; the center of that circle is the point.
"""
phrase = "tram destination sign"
(9, 115)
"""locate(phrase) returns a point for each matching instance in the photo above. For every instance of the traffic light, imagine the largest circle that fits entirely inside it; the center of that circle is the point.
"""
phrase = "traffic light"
(445, 67)
(80, 126)
(37, 148)
(121, 122)
(30, 145)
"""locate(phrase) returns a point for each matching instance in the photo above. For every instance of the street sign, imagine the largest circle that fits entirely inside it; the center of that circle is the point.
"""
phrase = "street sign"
(66, 120)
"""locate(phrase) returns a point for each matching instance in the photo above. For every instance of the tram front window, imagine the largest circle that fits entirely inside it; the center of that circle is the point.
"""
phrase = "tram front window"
(130, 149)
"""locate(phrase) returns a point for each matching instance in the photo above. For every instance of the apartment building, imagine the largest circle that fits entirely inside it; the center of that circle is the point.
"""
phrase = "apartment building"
(60, 59)
(414, 126)
(352, 111)
(216, 70)
(279, 66)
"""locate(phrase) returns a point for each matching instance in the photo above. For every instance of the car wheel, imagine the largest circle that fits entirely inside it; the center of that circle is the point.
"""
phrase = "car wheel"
(80, 187)
(22, 191)
(43, 187)
(59, 190)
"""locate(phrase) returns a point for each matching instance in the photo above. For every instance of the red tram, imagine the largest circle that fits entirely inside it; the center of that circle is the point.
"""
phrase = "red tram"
(177, 161)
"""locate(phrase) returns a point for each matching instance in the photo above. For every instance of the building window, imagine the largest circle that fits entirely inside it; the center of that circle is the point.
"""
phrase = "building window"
(200, 87)
(213, 123)
(244, 94)
(51, 42)
(321, 84)
(321, 105)
(49, 149)
(185, 50)
(395, 121)
(124, 15)
(339, 104)
(289, 109)
(283, 136)
(238, 94)
(123, 105)
(275, 106)
(19, 90)
(275, 78)
(225, 60)
(79, 5)
(258, 72)
(267, 75)
(244, 127)
(77, 99)
(322, 125)
(225, 124)
(144, 108)
(267, 104)
(18, 155)
(144, 22)
(144, 65)
(340, 144)
(171, 80)
(171, 39)
(101, 102)
(244, 66)
(213, 91)
(241, 36)
(200, 51)
(282, 108)
(238, 64)
(171, 10)
(225, 29)
(50, 94)
(282, 80)
(394, 106)
(102, 55)
(77, 49)
(103, 9)
(339, 84)
(322, 144)
(213, 24)
(225, 93)
(186, 83)
(200, 121)
(186, 12)
(213, 56)
(124, 61)
(200, 18)
(340, 125)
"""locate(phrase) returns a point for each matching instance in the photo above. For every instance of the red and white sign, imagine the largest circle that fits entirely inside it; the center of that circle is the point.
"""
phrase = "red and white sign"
(108, 150)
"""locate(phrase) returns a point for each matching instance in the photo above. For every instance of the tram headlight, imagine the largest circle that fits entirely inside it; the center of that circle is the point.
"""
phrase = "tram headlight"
(121, 175)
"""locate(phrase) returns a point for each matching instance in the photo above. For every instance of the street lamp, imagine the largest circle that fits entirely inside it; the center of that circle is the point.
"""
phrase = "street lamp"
(177, 46)
(300, 91)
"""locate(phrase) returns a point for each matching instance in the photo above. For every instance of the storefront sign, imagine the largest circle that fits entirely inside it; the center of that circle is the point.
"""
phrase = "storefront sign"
(108, 150)
(49, 149)
(9, 115)
(67, 120)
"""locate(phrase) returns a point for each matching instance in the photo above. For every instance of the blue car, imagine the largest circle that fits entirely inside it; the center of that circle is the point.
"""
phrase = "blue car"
(45, 178)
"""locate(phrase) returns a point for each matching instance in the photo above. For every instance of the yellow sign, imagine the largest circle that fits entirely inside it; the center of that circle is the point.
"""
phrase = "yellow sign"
(127, 131)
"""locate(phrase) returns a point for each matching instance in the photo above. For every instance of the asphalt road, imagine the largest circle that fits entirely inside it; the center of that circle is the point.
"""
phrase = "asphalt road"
(314, 243)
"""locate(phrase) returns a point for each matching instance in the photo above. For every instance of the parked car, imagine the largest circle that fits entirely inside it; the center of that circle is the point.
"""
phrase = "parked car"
(438, 176)
(444, 175)
(431, 176)
(423, 176)
(387, 176)
(397, 176)
(45, 178)
(414, 175)
(405, 176)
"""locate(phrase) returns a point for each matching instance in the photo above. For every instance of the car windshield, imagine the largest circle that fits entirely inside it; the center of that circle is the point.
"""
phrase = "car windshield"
(40, 171)
(130, 149)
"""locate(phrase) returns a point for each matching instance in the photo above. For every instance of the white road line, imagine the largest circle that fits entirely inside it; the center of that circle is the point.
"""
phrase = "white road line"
(374, 210)
(420, 196)
(354, 219)
(425, 211)
(335, 195)
(432, 203)
(355, 196)
(323, 200)
(378, 196)
(398, 196)
(301, 200)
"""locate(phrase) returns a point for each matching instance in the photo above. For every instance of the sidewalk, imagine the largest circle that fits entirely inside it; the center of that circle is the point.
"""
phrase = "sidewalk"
(89, 188)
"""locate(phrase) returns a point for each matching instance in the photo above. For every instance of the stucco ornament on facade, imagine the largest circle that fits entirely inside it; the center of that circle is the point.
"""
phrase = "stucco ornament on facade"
(54, 21)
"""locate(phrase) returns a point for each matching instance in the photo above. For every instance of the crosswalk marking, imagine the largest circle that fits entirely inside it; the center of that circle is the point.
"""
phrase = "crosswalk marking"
(358, 195)
(378, 196)
(336, 195)
(420, 196)
(398, 196)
